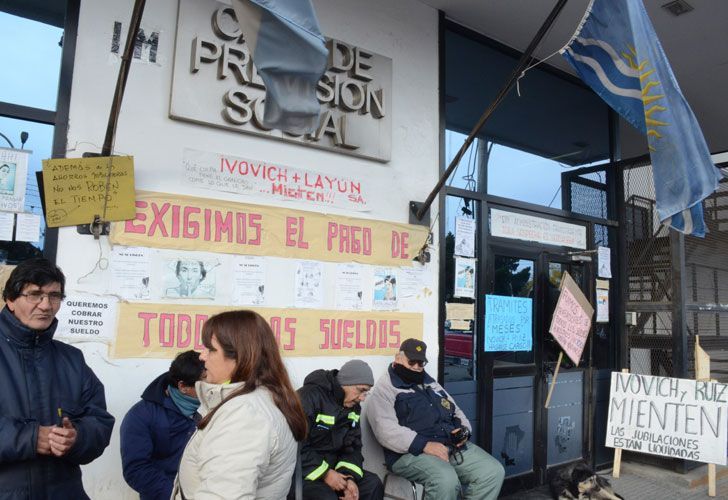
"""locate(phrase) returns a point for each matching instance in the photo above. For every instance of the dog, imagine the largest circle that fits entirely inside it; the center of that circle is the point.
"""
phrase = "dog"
(579, 482)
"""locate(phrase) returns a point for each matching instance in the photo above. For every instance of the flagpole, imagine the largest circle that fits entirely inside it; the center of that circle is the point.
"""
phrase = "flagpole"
(522, 65)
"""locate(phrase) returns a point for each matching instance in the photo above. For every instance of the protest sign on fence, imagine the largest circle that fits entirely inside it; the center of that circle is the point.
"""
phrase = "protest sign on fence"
(666, 416)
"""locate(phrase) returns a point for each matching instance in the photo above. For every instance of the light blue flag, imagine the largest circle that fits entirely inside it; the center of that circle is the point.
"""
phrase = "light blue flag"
(290, 55)
(616, 52)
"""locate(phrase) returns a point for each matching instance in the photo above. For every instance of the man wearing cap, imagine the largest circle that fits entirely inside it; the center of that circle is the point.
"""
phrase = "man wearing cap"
(425, 435)
(331, 459)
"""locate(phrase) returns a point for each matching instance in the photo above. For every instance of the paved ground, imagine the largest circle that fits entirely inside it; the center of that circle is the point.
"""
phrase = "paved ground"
(643, 482)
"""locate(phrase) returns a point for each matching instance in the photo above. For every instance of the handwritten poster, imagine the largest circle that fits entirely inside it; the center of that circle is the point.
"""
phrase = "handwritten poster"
(75, 189)
(162, 330)
(464, 277)
(13, 174)
(308, 284)
(130, 272)
(349, 286)
(249, 274)
(187, 223)
(508, 323)
(465, 236)
(671, 417)
(220, 172)
(87, 318)
(571, 320)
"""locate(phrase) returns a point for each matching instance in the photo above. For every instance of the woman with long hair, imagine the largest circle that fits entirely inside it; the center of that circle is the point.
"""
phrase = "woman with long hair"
(245, 444)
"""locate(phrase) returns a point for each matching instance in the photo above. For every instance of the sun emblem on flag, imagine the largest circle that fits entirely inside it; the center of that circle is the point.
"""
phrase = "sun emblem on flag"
(648, 93)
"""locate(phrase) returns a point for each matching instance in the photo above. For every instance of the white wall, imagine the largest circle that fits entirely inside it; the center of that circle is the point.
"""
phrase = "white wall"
(405, 31)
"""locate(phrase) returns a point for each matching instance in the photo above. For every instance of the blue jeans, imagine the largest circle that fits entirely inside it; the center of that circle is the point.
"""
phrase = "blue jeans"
(480, 474)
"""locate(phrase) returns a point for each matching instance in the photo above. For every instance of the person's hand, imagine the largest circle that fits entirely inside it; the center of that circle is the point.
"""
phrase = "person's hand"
(334, 480)
(62, 439)
(464, 440)
(352, 490)
(43, 446)
(438, 450)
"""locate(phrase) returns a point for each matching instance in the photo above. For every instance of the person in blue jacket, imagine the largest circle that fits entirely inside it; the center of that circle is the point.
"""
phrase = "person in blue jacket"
(156, 429)
(53, 414)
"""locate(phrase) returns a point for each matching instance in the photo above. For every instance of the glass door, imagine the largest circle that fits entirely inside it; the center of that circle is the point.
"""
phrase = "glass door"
(526, 437)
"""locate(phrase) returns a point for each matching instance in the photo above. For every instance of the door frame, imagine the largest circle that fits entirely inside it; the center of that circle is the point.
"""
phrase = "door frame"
(487, 372)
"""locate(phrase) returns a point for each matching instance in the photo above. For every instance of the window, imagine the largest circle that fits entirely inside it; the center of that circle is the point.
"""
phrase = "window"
(28, 104)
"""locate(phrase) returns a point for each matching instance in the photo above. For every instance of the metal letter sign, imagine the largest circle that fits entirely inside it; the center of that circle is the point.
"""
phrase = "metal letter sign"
(215, 83)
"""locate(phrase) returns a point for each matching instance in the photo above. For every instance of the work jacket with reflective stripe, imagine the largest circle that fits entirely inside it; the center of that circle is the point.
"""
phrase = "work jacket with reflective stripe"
(334, 433)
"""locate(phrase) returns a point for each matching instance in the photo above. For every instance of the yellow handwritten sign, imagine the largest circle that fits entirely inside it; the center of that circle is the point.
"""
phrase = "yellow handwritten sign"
(75, 189)
(188, 223)
(162, 330)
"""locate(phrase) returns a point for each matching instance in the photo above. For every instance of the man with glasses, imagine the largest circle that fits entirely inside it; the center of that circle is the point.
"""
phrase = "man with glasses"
(331, 459)
(425, 435)
(53, 414)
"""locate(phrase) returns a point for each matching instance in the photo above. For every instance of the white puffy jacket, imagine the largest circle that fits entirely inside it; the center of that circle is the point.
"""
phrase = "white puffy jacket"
(247, 450)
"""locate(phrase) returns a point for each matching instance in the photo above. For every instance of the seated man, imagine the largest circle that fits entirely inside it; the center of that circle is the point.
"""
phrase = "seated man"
(424, 433)
(331, 458)
(155, 431)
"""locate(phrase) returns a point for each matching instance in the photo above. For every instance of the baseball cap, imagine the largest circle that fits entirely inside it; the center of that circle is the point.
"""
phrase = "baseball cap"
(414, 349)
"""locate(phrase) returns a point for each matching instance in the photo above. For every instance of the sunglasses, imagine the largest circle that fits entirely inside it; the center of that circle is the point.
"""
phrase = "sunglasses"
(413, 362)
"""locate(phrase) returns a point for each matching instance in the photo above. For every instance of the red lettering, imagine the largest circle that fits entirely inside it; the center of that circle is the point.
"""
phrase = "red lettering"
(367, 243)
(146, 317)
(199, 321)
(290, 231)
(254, 222)
(394, 332)
(290, 328)
(355, 243)
(175, 221)
(336, 334)
(190, 228)
(332, 231)
(130, 227)
(359, 343)
(382, 333)
(166, 335)
(223, 226)
(184, 330)
(208, 217)
(371, 334)
(324, 328)
(158, 214)
(346, 337)
(241, 237)
(395, 244)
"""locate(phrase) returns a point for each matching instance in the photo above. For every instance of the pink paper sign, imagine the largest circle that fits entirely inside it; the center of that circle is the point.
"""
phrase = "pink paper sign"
(570, 325)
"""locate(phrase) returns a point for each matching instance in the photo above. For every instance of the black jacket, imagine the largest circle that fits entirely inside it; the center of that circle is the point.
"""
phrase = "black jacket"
(334, 433)
(39, 375)
(153, 436)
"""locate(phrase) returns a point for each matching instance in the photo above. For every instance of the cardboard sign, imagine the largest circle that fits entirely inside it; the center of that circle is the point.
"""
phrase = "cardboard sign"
(162, 330)
(508, 323)
(75, 189)
(87, 318)
(667, 416)
(201, 224)
(571, 321)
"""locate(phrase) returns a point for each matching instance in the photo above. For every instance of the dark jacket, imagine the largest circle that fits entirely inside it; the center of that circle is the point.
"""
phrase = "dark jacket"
(406, 416)
(39, 375)
(334, 434)
(153, 436)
